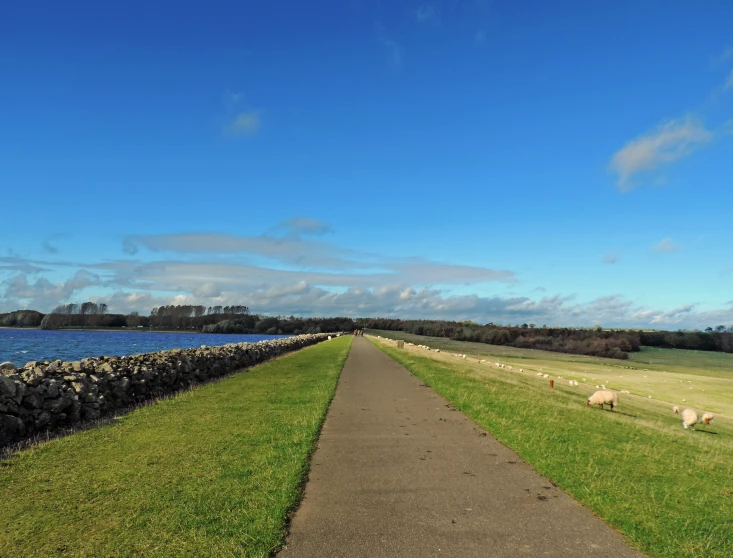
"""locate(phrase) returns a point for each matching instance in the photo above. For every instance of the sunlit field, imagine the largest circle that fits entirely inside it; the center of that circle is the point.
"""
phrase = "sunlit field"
(668, 490)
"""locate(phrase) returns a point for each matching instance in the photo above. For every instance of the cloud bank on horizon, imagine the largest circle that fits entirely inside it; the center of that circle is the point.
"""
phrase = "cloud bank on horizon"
(285, 272)
(431, 159)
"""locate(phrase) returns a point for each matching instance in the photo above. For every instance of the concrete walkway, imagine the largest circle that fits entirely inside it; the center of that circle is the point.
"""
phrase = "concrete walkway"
(399, 472)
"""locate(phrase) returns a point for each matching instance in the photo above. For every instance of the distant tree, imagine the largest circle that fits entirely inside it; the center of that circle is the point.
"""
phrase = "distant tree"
(133, 319)
(709, 329)
(720, 328)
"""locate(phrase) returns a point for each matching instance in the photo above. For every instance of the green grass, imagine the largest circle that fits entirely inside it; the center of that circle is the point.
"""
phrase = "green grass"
(667, 490)
(212, 472)
(698, 379)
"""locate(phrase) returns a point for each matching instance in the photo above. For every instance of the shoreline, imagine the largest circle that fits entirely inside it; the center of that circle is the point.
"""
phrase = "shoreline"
(127, 330)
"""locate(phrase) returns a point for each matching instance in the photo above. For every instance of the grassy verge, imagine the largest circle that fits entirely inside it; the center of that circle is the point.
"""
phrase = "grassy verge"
(212, 472)
(668, 490)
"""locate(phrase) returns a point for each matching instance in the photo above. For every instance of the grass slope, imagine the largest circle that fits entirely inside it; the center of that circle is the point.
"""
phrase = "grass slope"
(211, 472)
(698, 379)
(668, 490)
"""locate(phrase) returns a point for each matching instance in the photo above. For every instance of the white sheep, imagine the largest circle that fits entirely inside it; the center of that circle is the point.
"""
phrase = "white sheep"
(690, 418)
(603, 397)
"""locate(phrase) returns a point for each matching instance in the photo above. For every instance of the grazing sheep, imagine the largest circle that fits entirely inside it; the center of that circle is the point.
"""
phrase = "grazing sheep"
(603, 397)
(690, 418)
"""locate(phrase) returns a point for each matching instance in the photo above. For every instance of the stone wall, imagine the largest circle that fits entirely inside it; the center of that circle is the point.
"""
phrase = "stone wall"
(44, 396)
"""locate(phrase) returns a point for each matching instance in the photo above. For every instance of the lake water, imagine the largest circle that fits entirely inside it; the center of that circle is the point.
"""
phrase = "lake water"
(22, 345)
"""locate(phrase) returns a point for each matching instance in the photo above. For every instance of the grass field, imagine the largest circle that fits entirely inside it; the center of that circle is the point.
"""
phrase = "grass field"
(668, 490)
(698, 379)
(212, 472)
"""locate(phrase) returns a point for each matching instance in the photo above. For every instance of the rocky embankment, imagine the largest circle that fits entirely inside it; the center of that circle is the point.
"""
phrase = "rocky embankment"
(44, 396)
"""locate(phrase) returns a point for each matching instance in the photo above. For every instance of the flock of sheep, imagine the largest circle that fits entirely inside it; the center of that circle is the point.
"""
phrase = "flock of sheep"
(602, 397)
(689, 416)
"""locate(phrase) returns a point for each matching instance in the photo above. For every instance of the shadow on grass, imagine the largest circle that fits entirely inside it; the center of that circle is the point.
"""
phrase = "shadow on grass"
(706, 432)
(624, 414)
(617, 412)
(39, 438)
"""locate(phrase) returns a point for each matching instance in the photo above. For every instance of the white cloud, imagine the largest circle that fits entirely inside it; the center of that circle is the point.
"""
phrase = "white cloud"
(244, 124)
(43, 293)
(208, 289)
(666, 245)
(284, 292)
(670, 142)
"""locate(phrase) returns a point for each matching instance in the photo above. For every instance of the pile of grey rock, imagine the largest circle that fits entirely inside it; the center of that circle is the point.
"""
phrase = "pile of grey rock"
(43, 396)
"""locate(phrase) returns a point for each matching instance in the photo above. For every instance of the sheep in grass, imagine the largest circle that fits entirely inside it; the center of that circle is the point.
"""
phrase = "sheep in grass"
(603, 397)
(690, 417)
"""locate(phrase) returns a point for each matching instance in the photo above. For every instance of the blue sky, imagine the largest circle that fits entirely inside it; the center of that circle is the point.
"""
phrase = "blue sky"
(565, 163)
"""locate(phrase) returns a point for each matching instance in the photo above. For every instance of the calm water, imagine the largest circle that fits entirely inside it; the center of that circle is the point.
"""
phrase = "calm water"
(21, 345)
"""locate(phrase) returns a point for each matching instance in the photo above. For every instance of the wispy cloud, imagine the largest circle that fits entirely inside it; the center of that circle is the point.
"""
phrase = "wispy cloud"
(722, 57)
(666, 245)
(16, 263)
(427, 12)
(244, 124)
(394, 51)
(610, 258)
(729, 82)
(298, 226)
(668, 143)
(232, 98)
(479, 38)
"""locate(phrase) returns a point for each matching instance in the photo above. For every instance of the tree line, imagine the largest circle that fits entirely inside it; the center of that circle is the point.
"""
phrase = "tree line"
(281, 325)
(185, 316)
(593, 342)
(237, 319)
(208, 319)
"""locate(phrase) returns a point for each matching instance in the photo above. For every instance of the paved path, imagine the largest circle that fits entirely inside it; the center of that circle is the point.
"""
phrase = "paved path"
(398, 472)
